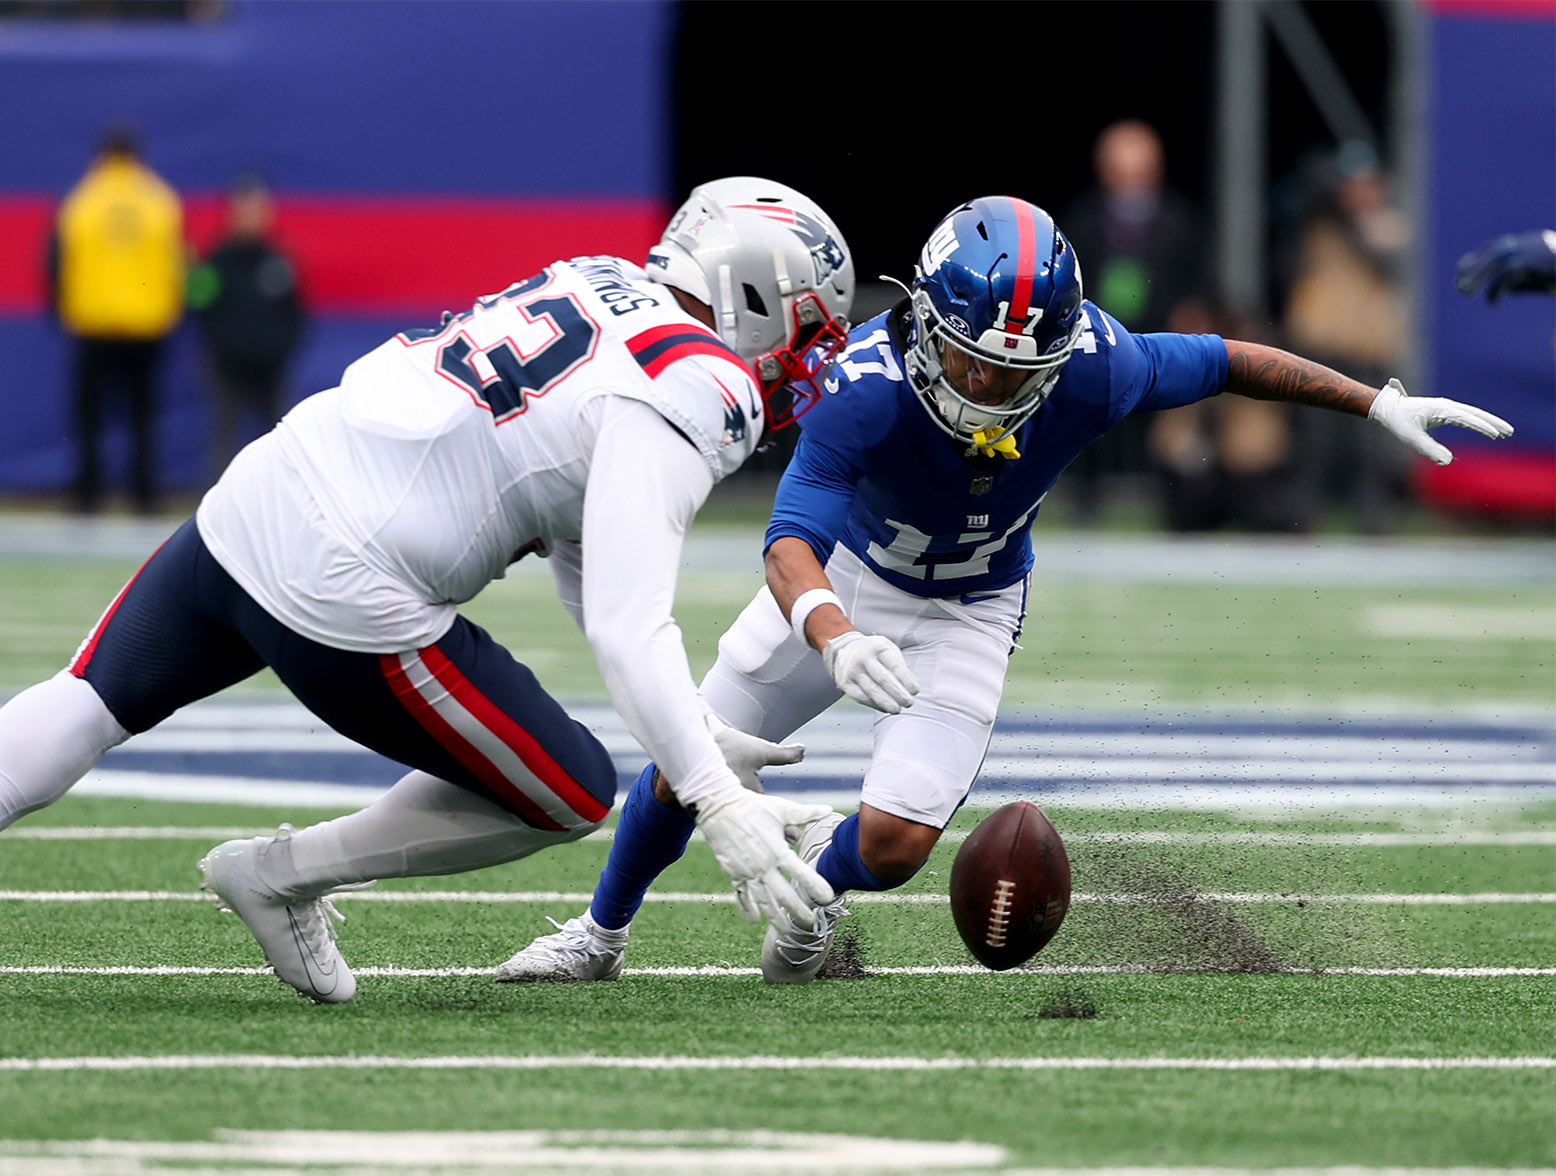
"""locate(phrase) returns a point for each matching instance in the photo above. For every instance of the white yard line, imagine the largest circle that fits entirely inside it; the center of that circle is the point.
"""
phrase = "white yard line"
(133, 832)
(580, 897)
(661, 1063)
(1382, 799)
(1274, 838)
(716, 970)
(581, 1153)
(543, 1152)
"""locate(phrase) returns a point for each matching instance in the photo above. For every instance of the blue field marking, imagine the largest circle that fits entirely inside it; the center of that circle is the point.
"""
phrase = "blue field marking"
(265, 750)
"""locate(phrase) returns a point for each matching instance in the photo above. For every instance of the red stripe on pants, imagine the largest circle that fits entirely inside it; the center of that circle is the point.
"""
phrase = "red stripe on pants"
(524, 745)
(459, 747)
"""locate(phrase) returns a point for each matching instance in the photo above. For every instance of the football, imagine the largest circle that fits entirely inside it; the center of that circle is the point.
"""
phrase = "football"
(1010, 886)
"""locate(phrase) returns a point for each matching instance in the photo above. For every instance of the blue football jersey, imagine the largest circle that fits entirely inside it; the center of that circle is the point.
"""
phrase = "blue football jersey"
(872, 470)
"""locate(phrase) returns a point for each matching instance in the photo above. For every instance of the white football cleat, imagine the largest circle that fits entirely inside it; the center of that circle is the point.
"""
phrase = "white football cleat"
(794, 957)
(580, 949)
(296, 933)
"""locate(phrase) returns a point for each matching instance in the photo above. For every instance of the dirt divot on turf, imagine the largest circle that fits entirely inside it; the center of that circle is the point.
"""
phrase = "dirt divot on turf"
(1068, 1004)
(1173, 925)
(1193, 931)
(846, 960)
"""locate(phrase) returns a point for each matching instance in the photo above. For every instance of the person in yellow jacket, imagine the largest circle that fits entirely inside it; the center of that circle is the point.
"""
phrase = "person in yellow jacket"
(117, 265)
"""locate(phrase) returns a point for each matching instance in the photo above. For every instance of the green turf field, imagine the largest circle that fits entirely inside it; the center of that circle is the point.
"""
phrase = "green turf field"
(1088, 642)
(1207, 1059)
(1274, 988)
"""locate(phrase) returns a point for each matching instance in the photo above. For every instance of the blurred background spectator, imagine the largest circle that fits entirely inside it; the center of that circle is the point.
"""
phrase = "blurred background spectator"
(1143, 255)
(116, 266)
(1346, 307)
(1230, 463)
(251, 317)
(1142, 246)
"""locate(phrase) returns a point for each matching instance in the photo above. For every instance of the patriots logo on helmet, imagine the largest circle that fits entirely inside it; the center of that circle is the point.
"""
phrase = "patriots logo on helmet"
(826, 256)
(825, 253)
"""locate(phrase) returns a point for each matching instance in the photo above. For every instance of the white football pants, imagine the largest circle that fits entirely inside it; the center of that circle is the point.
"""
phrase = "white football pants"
(925, 759)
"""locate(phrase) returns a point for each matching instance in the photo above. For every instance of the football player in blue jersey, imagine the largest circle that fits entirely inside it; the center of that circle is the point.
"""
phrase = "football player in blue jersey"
(898, 552)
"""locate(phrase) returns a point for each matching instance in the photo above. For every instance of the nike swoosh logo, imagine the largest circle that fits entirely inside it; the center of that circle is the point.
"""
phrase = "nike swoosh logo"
(979, 598)
(311, 964)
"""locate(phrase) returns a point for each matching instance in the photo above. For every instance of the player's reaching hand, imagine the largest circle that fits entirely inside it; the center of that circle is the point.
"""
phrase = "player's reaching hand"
(745, 831)
(870, 669)
(1513, 263)
(1408, 418)
(747, 754)
(1268, 373)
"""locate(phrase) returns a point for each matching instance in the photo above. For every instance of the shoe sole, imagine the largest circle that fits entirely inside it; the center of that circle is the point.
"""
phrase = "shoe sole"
(557, 977)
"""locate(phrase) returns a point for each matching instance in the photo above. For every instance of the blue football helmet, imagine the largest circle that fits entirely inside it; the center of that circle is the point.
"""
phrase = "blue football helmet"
(996, 304)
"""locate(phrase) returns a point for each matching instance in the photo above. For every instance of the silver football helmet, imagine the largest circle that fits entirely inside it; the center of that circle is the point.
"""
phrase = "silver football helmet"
(776, 272)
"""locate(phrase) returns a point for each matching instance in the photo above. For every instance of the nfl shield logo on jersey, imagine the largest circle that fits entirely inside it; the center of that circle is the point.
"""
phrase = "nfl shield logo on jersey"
(982, 485)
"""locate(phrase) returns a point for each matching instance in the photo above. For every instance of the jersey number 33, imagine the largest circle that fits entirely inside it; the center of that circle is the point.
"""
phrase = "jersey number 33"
(513, 346)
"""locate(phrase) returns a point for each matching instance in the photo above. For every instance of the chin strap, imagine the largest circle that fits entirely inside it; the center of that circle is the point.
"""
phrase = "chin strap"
(1002, 444)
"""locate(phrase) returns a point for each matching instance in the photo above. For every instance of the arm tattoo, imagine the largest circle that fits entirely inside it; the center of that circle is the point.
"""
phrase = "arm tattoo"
(1267, 373)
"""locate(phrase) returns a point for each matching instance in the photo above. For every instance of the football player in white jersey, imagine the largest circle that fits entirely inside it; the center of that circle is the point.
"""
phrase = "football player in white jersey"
(581, 416)
(899, 550)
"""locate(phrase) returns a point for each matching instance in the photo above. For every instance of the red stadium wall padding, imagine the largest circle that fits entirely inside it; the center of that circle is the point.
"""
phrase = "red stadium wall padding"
(366, 255)
(1486, 482)
(424, 153)
(1490, 74)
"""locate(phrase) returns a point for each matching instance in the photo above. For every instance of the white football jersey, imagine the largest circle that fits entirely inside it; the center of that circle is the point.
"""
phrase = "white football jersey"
(374, 508)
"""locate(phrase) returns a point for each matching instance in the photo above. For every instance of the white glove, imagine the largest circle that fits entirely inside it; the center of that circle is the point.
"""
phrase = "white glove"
(745, 832)
(871, 670)
(745, 754)
(1408, 418)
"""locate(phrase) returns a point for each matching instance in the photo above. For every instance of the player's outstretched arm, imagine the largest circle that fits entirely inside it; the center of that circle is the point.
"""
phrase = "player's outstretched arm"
(868, 668)
(645, 485)
(1268, 373)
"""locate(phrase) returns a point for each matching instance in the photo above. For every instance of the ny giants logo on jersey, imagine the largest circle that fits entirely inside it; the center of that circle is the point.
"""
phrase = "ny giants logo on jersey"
(826, 255)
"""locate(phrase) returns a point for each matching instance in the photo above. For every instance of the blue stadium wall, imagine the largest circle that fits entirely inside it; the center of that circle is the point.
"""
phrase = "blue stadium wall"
(423, 151)
(1491, 72)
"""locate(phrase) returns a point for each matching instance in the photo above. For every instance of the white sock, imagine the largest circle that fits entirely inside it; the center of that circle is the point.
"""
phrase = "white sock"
(421, 826)
(611, 936)
(50, 735)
